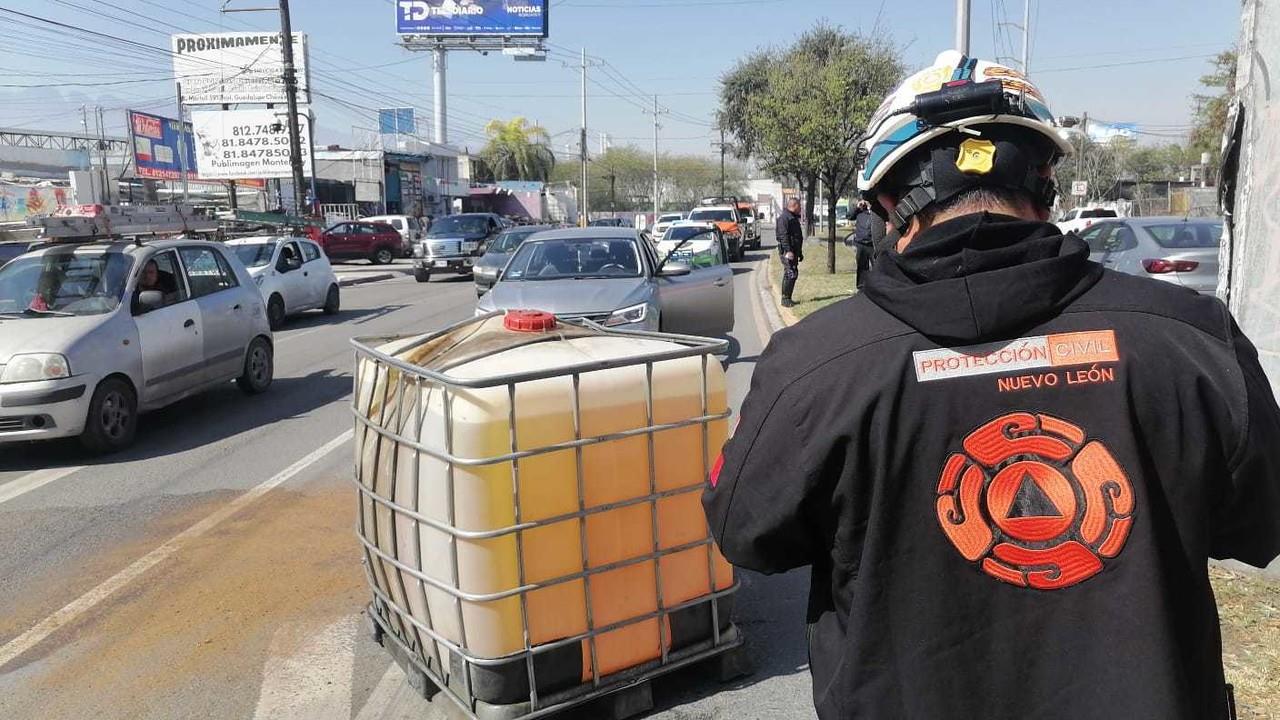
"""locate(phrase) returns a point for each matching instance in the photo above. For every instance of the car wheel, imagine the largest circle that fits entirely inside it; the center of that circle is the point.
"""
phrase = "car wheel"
(332, 301)
(275, 312)
(113, 417)
(383, 256)
(422, 275)
(259, 367)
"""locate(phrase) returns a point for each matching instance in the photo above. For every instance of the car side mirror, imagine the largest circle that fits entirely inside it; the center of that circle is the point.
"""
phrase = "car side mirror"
(675, 269)
(147, 301)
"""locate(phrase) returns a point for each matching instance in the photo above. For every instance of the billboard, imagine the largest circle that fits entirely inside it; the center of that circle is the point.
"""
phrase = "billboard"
(493, 18)
(236, 67)
(235, 144)
(155, 142)
(396, 121)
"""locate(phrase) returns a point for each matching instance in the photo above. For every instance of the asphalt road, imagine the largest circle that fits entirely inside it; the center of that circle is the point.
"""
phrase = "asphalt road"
(212, 570)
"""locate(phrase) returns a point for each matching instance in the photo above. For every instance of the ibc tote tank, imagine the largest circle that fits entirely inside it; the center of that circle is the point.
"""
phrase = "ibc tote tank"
(530, 504)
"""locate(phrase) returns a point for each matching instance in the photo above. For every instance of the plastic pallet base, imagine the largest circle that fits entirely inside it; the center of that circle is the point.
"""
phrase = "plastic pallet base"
(616, 704)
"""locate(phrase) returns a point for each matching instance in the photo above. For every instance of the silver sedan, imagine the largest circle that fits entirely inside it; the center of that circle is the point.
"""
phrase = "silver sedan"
(615, 277)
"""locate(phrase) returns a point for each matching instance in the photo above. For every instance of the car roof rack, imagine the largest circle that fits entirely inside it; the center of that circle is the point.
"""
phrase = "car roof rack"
(720, 200)
(97, 223)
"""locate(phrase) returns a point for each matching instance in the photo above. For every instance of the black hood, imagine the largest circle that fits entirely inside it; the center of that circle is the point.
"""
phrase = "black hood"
(982, 277)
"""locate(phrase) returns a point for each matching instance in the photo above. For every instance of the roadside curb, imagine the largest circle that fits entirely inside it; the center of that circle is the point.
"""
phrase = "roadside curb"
(778, 316)
(348, 282)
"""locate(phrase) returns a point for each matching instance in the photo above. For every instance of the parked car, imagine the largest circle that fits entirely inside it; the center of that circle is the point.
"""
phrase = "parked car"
(696, 244)
(499, 251)
(726, 217)
(664, 222)
(410, 228)
(379, 243)
(1079, 219)
(455, 243)
(752, 228)
(608, 222)
(93, 334)
(615, 277)
(1176, 250)
(292, 273)
(11, 250)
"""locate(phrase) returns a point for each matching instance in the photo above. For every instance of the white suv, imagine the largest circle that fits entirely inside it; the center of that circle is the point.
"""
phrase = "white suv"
(1079, 219)
(409, 227)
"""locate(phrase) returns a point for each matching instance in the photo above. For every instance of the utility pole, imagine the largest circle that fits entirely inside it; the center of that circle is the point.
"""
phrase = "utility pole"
(102, 155)
(656, 127)
(962, 25)
(724, 147)
(1026, 37)
(291, 96)
(440, 133)
(582, 146)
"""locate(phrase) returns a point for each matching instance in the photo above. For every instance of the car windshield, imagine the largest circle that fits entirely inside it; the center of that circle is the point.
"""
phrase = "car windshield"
(1177, 236)
(1098, 214)
(713, 215)
(670, 218)
(459, 225)
(686, 233)
(255, 255)
(64, 283)
(558, 259)
(509, 240)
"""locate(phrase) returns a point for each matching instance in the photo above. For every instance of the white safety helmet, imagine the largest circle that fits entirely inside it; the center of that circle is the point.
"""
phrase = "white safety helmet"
(961, 97)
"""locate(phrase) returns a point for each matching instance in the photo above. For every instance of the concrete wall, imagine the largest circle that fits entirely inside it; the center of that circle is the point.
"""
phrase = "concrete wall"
(1251, 254)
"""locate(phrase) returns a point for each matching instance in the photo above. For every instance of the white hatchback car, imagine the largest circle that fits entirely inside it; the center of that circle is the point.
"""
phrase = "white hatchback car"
(92, 334)
(293, 274)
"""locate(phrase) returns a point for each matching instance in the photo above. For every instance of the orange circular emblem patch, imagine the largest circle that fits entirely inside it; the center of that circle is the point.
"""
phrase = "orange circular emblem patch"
(1033, 503)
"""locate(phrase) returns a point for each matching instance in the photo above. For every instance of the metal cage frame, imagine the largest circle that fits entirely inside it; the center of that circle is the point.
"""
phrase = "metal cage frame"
(386, 613)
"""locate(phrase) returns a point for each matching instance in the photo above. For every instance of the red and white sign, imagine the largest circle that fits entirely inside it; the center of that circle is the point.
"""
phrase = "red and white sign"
(1044, 351)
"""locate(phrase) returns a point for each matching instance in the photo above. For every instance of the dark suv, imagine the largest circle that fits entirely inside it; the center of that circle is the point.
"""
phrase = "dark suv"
(379, 243)
(455, 243)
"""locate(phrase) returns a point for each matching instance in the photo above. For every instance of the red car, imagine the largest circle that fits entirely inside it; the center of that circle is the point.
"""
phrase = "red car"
(379, 243)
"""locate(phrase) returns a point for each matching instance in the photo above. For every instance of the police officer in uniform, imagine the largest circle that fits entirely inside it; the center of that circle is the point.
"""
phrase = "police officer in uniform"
(790, 235)
(1006, 466)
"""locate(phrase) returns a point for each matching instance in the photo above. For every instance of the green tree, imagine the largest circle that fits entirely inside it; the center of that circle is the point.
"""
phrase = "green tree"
(805, 110)
(1211, 109)
(621, 179)
(517, 150)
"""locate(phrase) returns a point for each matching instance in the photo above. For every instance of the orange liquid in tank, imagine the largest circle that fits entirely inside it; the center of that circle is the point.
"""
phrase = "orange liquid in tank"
(616, 471)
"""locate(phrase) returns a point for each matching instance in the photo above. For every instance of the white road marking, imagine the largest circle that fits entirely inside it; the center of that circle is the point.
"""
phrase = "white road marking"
(384, 694)
(33, 481)
(86, 602)
(280, 339)
(314, 681)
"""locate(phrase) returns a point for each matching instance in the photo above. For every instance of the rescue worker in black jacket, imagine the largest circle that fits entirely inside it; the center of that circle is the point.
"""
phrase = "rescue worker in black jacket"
(1007, 467)
(790, 236)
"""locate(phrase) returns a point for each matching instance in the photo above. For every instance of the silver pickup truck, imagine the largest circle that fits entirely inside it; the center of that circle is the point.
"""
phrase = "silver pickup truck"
(455, 243)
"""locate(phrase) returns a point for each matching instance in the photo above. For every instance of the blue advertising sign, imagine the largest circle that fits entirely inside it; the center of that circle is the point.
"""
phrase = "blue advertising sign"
(491, 18)
(155, 147)
(396, 121)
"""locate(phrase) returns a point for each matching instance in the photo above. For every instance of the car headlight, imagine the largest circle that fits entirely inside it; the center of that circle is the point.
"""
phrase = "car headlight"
(470, 246)
(420, 250)
(36, 366)
(627, 316)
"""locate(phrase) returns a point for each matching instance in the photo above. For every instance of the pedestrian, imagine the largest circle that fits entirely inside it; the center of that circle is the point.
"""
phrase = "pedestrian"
(1006, 466)
(790, 236)
(863, 240)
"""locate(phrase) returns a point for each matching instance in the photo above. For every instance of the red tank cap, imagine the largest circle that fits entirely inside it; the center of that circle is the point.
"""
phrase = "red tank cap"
(529, 321)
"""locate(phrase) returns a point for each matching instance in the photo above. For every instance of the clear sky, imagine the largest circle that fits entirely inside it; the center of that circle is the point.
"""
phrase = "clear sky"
(1121, 61)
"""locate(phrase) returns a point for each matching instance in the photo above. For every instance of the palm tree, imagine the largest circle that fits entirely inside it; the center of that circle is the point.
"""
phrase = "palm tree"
(518, 151)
